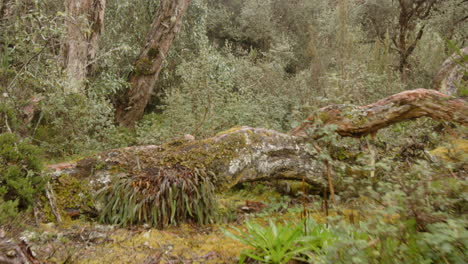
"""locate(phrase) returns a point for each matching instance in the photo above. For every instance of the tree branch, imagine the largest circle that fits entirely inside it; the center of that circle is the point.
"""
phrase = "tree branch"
(357, 121)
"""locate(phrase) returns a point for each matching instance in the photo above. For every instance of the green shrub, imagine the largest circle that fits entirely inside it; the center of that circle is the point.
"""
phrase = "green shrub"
(219, 91)
(20, 179)
(448, 241)
(384, 241)
(73, 124)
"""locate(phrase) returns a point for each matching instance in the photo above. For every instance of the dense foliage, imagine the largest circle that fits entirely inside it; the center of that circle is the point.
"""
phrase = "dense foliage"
(380, 240)
(232, 64)
(265, 63)
(20, 179)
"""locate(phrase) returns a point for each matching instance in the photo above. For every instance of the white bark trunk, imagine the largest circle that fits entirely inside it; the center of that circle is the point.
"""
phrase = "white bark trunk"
(85, 22)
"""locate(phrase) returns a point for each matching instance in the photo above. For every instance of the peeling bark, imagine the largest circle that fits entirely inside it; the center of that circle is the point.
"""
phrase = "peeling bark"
(241, 154)
(245, 154)
(168, 21)
(85, 23)
(357, 121)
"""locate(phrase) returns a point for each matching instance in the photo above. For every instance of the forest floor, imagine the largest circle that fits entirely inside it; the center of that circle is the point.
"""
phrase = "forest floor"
(92, 243)
(84, 241)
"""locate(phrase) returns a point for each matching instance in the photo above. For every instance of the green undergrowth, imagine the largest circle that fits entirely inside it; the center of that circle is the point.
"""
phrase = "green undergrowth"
(419, 219)
(20, 178)
(374, 236)
(281, 243)
(288, 228)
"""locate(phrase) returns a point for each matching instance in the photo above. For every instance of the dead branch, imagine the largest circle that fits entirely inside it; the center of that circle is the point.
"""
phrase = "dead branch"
(357, 121)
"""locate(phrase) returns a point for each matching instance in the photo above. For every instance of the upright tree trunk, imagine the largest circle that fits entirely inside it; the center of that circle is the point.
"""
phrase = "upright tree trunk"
(85, 23)
(166, 25)
(410, 13)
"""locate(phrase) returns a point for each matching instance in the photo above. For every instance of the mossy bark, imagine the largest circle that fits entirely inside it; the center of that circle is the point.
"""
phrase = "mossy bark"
(166, 25)
(241, 154)
(452, 74)
(245, 154)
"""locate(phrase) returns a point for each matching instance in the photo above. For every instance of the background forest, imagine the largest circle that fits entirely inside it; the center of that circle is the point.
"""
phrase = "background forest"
(258, 63)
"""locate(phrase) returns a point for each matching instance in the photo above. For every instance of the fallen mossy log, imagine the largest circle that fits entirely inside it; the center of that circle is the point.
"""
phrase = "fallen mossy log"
(165, 184)
(241, 154)
(176, 182)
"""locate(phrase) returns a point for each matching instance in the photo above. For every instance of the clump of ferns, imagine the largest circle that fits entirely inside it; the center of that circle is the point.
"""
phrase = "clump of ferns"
(161, 196)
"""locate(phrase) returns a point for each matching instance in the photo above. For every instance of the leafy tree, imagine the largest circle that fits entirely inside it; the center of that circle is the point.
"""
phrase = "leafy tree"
(404, 21)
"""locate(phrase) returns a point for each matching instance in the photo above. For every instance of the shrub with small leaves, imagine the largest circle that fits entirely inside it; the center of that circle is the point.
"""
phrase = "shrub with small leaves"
(20, 178)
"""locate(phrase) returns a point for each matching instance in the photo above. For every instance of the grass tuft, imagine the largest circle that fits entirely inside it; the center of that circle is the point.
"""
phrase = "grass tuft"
(160, 196)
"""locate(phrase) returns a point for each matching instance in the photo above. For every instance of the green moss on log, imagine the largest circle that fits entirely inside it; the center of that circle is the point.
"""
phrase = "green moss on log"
(143, 66)
(153, 52)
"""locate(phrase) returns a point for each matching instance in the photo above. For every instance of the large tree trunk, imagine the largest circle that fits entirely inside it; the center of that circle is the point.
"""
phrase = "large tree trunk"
(167, 23)
(85, 23)
(241, 154)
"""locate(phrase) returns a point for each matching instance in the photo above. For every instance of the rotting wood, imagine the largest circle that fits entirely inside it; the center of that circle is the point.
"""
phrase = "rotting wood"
(246, 154)
(16, 253)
